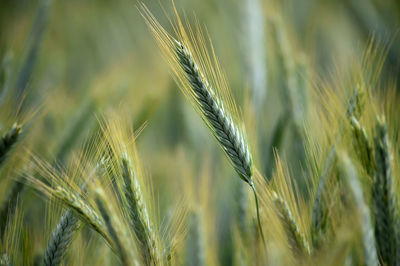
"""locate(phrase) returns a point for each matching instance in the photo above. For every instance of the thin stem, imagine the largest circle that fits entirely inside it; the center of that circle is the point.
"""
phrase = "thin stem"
(251, 183)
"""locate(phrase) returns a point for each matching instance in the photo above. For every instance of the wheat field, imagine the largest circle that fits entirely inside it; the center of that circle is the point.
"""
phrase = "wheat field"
(182, 132)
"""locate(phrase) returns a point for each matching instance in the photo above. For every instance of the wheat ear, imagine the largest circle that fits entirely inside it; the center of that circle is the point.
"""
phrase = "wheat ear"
(386, 233)
(138, 215)
(216, 107)
(61, 238)
(320, 213)
(115, 228)
(8, 140)
(295, 237)
(350, 176)
(85, 211)
(229, 135)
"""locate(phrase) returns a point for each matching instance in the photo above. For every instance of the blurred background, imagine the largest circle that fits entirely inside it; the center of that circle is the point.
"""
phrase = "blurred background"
(65, 64)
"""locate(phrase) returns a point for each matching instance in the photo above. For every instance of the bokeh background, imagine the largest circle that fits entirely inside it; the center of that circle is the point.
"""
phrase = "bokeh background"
(65, 64)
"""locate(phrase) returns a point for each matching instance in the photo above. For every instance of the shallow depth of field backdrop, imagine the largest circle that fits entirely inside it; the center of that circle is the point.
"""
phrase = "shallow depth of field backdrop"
(66, 67)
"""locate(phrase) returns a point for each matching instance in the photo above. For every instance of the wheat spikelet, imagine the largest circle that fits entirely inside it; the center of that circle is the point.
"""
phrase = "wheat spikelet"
(8, 140)
(385, 211)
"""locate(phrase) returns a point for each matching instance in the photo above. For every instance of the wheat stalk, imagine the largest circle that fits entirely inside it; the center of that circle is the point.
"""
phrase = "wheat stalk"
(383, 196)
(139, 218)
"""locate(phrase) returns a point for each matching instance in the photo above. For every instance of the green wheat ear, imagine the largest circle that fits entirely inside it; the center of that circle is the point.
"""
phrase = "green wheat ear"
(138, 215)
(383, 197)
(296, 239)
(200, 78)
(218, 119)
(350, 176)
(228, 134)
(61, 238)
